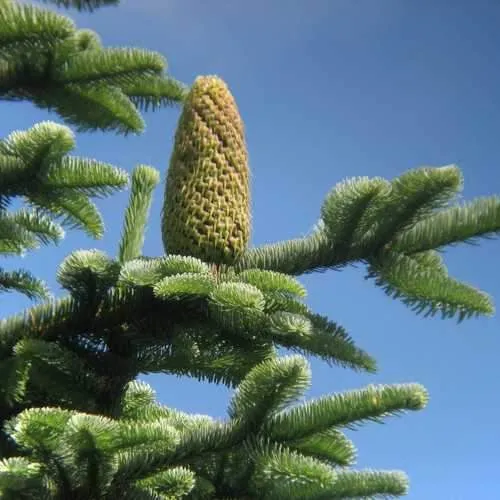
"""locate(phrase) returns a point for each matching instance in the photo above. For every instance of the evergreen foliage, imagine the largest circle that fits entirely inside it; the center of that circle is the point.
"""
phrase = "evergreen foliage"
(266, 448)
(75, 421)
(56, 190)
(46, 60)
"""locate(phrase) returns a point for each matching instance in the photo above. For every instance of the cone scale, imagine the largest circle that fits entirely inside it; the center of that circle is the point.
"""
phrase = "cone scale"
(206, 212)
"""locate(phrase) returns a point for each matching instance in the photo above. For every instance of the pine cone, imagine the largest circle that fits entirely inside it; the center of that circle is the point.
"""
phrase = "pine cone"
(206, 212)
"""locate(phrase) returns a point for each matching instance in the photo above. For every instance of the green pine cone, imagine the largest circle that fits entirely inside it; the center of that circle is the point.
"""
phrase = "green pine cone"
(206, 211)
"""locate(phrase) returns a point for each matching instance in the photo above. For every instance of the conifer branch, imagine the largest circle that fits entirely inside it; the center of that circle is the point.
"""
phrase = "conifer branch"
(345, 212)
(15, 373)
(331, 343)
(40, 226)
(426, 288)
(413, 196)
(35, 168)
(223, 364)
(150, 271)
(346, 410)
(123, 455)
(175, 482)
(330, 446)
(23, 282)
(113, 66)
(284, 474)
(46, 60)
(154, 92)
(269, 388)
(295, 257)
(369, 484)
(39, 171)
(21, 476)
(26, 27)
(76, 210)
(15, 239)
(466, 223)
(144, 180)
(92, 274)
(87, 273)
(87, 176)
(58, 373)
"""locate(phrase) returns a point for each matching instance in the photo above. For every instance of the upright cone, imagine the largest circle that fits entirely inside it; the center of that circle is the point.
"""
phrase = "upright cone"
(206, 211)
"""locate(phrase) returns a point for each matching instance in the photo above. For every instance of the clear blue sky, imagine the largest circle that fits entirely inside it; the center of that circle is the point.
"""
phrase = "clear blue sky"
(331, 89)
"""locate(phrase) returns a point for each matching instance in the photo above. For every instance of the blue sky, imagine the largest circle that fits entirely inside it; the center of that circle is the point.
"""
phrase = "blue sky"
(330, 89)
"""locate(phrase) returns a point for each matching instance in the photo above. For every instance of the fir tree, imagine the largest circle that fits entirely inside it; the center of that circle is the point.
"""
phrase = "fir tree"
(78, 424)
